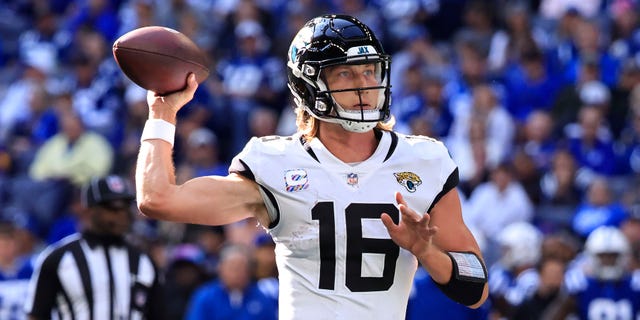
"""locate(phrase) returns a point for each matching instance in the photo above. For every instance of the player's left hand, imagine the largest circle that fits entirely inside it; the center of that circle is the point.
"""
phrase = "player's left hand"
(413, 232)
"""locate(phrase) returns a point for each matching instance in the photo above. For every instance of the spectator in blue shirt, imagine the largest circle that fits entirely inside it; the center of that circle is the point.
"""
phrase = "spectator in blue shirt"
(234, 295)
(588, 40)
(537, 139)
(533, 85)
(434, 118)
(251, 78)
(201, 156)
(598, 209)
(590, 142)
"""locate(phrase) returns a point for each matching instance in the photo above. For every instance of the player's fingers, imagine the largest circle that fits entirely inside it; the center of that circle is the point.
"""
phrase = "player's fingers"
(408, 215)
(192, 85)
(400, 198)
(424, 224)
(424, 220)
(155, 101)
(388, 222)
(191, 81)
(405, 209)
(431, 231)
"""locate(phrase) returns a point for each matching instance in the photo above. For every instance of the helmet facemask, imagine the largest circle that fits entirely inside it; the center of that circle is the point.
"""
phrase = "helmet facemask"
(608, 252)
(609, 266)
(355, 120)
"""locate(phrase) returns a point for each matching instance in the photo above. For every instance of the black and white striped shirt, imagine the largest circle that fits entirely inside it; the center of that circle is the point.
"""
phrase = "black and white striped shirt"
(91, 277)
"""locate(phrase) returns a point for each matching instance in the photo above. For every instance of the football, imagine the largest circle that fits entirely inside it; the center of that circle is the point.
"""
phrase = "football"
(159, 59)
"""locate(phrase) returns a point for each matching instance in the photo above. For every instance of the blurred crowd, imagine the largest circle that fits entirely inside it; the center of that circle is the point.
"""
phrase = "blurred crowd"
(537, 101)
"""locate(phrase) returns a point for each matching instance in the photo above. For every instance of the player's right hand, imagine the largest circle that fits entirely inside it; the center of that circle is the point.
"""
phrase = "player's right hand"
(166, 107)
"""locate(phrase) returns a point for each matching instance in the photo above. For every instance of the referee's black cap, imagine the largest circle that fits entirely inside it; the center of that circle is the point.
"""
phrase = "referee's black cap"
(103, 190)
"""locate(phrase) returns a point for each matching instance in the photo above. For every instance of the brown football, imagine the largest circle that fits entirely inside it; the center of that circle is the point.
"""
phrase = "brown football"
(159, 59)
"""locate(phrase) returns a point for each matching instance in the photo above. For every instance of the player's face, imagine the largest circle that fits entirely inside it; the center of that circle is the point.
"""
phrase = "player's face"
(343, 77)
(8, 246)
(608, 258)
(235, 271)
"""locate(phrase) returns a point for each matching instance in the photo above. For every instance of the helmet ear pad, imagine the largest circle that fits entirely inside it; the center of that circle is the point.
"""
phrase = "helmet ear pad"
(322, 103)
(318, 101)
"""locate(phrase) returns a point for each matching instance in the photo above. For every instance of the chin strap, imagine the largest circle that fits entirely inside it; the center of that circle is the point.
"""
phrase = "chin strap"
(359, 127)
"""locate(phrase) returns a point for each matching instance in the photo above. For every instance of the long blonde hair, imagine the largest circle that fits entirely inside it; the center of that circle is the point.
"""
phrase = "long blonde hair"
(308, 125)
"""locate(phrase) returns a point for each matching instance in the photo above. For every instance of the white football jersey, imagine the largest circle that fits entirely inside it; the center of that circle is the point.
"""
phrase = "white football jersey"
(335, 258)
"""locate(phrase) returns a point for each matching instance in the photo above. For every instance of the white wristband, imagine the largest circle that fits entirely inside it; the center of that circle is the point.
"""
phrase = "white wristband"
(158, 129)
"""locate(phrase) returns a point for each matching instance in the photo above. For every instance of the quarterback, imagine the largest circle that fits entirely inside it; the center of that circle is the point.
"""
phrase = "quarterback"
(353, 207)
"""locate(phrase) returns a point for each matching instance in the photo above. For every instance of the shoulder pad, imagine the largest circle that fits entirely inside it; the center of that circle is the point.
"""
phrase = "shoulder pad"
(255, 151)
(271, 144)
(417, 138)
(426, 147)
(575, 280)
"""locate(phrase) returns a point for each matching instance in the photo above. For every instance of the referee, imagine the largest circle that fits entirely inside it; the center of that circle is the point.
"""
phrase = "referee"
(96, 274)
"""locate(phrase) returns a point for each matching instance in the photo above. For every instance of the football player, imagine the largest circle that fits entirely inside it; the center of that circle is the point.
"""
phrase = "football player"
(513, 278)
(351, 205)
(601, 287)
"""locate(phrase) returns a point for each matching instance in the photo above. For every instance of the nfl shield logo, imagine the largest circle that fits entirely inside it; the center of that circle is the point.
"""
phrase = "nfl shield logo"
(352, 179)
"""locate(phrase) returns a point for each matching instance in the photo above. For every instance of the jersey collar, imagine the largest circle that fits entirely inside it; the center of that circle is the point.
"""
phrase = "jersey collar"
(388, 142)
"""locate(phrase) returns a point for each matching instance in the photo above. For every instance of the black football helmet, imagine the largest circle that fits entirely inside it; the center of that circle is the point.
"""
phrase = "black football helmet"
(330, 40)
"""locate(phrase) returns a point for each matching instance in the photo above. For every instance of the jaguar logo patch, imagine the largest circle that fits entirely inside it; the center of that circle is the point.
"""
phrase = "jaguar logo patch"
(409, 180)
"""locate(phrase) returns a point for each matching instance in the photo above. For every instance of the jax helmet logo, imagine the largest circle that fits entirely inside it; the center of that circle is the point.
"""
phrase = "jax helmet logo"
(409, 180)
(300, 43)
